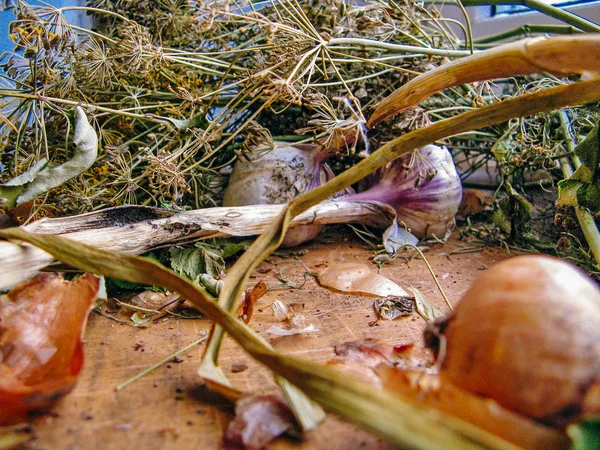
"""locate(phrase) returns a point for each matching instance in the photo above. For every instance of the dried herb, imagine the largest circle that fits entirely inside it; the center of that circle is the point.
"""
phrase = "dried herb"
(391, 308)
(40, 178)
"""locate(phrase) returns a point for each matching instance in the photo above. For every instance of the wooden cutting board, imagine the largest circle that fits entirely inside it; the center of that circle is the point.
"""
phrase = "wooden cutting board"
(169, 408)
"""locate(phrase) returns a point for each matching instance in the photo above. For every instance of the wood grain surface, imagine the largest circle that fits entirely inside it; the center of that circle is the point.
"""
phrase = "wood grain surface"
(170, 408)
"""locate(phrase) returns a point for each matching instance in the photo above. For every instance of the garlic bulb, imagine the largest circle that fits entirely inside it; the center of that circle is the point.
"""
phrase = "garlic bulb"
(527, 334)
(278, 176)
(424, 189)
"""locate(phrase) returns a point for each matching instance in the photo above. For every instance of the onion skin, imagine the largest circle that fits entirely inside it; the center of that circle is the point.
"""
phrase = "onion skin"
(527, 334)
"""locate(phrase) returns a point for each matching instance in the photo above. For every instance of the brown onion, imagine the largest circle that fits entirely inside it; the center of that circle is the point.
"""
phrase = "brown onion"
(527, 334)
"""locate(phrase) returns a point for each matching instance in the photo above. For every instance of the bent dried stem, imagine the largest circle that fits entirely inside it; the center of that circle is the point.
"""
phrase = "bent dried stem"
(563, 55)
(235, 284)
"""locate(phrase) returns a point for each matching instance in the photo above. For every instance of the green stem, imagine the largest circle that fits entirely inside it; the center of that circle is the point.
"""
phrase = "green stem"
(538, 5)
(145, 372)
(398, 47)
(468, 24)
(90, 32)
(590, 231)
(43, 98)
(584, 217)
(526, 30)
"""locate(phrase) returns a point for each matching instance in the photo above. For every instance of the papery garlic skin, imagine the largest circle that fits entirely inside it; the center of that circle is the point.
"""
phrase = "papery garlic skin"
(278, 176)
(424, 189)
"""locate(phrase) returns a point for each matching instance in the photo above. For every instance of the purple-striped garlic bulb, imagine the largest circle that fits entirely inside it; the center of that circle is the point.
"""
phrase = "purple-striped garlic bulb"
(422, 186)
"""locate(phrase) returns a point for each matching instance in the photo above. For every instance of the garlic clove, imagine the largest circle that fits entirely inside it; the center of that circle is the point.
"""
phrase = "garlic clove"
(278, 176)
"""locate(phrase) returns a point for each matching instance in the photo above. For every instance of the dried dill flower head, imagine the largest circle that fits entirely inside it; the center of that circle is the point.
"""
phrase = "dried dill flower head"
(166, 179)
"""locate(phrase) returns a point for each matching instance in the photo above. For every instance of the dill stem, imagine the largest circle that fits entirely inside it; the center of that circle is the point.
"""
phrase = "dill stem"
(538, 5)
(398, 47)
(160, 363)
(43, 98)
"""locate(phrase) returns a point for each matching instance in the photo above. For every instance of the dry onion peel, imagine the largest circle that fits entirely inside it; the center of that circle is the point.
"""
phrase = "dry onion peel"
(358, 279)
(563, 55)
(396, 420)
(430, 389)
(41, 354)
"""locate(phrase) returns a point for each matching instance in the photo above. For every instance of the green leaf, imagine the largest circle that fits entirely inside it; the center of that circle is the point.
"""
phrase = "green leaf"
(10, 191)
(233, 248)
(585, 435)
(193, 262)
(588, 152)
(583, 187)
(591, 197)
(568, 192)
(224, 246)
(42, 177)
(513, 214)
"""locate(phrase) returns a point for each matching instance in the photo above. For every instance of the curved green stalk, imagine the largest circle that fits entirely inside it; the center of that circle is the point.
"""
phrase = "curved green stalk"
(584, 217)
(527, 30)
(538, 5)
(459, 3)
